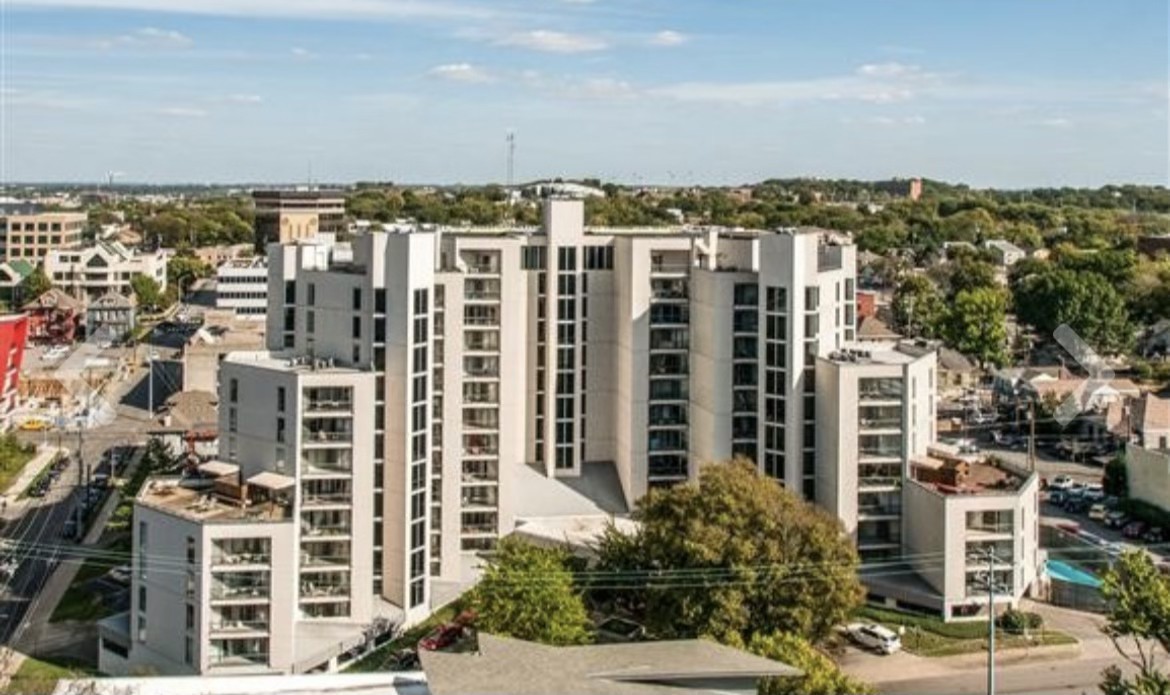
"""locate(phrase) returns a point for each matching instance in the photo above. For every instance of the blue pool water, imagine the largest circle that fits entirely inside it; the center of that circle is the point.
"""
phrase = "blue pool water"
(1066, 572)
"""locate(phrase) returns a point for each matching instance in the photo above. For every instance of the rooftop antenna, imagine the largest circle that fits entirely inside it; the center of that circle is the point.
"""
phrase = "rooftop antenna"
(511, 140)
(310, 181)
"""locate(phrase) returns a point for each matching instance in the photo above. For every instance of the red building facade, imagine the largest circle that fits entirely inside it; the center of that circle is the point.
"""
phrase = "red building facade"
(13, 338)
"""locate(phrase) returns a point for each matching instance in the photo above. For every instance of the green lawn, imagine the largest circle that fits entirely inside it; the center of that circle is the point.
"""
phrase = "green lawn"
(78, 602)
(36, 677)
(930, 636)
(14, 456)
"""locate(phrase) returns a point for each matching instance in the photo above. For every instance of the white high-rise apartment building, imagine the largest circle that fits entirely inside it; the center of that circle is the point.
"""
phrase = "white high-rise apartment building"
(503, 354)
(492, 376)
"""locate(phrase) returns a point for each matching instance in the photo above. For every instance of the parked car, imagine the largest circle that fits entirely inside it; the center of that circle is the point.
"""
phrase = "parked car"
(1098, 512)
(1134, 529)
(1155, 534)
(1116, 519)
(1076, 505)
(1056, 497)
(1095, 492)
(69, 529)
(1061, 482)
(441, 637)
(875, 637)
(120, 575)
(35, 425)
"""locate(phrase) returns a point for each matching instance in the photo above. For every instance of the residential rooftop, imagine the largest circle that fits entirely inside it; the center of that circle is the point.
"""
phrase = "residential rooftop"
(948, 471)
(905, 352)
(290, 362)
(203, 499)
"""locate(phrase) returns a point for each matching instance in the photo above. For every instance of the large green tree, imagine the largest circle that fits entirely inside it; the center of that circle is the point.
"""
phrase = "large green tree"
(147, 291)
(977, 325)
(732, 555)
(527, 592)
(36, 284)
(820, 675)
(919, 308)
(1138, 617)
(1086, 301)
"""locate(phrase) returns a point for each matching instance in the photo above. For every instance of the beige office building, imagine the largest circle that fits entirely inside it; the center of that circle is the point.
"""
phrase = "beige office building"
(285, 216)
(30, 237)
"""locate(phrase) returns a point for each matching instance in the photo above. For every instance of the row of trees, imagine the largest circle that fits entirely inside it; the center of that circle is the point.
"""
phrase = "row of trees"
(734, 558)
(737, 559)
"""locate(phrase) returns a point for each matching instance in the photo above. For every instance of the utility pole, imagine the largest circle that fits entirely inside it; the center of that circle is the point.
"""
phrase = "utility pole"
(991, 621)
(1032, 435)
(150, 381)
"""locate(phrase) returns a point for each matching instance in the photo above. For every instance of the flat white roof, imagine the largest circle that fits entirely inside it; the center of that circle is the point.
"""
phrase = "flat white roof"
(404, 683)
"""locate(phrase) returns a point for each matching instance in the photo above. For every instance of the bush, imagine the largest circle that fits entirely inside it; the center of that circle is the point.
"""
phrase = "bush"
(1017, 622)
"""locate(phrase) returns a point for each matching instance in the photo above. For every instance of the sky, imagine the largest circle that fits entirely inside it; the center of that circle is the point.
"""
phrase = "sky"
(1003, 93)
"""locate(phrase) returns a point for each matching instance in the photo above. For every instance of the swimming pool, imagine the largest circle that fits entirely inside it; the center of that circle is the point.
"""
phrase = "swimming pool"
(1066, 572)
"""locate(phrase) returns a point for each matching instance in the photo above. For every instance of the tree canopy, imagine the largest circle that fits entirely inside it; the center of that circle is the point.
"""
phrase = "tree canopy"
(977, 325)
(35, 284)
(527, 592)
(919, 308)
(146, 289)
(820, 675)
(1086, 301)
(1138, 600)
(732, 555)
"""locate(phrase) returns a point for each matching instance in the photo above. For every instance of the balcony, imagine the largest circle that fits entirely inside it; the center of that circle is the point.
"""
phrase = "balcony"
(251, 587)
(325, 468)
(241, 551)
(326, 500)
(480, 264)
(481, 341)
(325, 438)
(480, 497)
(481, 368)
(236, 653)
(318, 562)
(328, 407)
(670, 290)
(238, 628)
(314, 589)
(668, 390)
(480, 471)
(669, 339)
(481, 419)
(668, 365)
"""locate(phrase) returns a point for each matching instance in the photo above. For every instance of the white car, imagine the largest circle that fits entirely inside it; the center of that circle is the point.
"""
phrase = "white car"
(875, 637)
(1061, 482)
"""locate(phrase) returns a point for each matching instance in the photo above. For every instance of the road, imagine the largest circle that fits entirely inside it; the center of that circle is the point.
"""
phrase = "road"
(36, 535)
(36, 524)
(1041, 678)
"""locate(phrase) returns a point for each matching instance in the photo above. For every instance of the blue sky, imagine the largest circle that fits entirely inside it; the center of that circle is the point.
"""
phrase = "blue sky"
(990, 92)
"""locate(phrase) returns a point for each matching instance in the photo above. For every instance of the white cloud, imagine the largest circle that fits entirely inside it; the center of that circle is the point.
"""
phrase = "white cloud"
(302, 53)
(554, 41)
(603, 88)
(914, 120)
(881, 83)
(890, 70)
(668, 38)
(243, 99)
(181, 112)
(462, 72)
(1059, 122)
(146, 38)
(320, 9)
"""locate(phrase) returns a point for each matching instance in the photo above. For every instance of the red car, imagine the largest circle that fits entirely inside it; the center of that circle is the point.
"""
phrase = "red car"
(1134, 529)
(441, 637)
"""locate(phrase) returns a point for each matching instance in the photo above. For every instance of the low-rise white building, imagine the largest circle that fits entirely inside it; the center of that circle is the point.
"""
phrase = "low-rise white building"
(103, 268)
(923, 512)
(241, 285)
(259, 562)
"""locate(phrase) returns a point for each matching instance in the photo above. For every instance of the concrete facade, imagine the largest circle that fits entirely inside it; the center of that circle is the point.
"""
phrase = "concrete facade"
(241, 285)
(31, 237)
(259, 563)
(104, 267)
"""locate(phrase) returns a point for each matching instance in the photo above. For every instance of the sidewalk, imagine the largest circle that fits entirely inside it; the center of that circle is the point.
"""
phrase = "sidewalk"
(32, 469)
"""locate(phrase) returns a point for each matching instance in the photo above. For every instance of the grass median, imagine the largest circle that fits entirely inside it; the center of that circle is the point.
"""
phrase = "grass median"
(929, 636)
